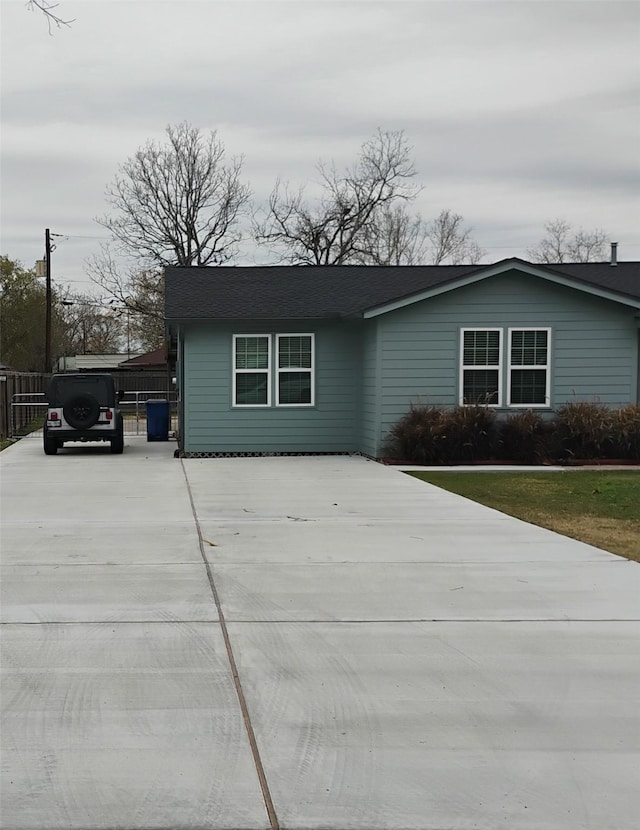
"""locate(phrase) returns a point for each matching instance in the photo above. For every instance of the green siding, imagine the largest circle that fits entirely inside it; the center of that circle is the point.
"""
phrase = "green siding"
(212, 424)
(593, 343)
(368, 372)
(370, 410)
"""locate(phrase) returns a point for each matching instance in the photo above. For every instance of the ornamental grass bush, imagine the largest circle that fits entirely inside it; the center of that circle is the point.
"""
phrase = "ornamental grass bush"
(583, 430)
(626, 432)
(432, 435)
(417, 436)
(470, 434)
(525, 437)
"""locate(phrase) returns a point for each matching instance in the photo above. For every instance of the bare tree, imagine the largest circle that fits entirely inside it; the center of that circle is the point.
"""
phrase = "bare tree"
(47, 9)
(145, 301)
(563, 244)
(86, 327)
(334, 230)
(136, 292)
(178, 203)
(395, 237)
(450, 241)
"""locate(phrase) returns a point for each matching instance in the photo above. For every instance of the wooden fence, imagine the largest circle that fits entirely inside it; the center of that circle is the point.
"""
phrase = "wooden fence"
(14, 419)
(130, 381)
(18, 383)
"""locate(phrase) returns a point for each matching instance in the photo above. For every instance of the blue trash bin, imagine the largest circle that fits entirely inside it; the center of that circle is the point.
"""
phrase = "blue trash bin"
(157, 419)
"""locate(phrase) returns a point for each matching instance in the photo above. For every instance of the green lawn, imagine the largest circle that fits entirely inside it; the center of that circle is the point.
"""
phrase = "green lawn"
(601, 508)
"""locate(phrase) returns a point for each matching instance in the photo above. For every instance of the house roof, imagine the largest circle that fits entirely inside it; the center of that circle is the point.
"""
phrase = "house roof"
(317, 292)
(155, 358)
(97, 361)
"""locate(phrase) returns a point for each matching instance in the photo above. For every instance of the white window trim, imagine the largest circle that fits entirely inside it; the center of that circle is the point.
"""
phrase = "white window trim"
(237, 372)
(546, 367)
(289, 369)
(498, 367)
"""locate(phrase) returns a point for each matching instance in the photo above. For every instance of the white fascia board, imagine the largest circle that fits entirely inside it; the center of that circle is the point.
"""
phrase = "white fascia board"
(495, 270)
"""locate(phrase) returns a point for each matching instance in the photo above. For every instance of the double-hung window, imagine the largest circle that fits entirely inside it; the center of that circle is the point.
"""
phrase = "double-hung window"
(528, 383)
(256, 372)
(251, 370)
(481, 371)
(294, 384)
(527, 367)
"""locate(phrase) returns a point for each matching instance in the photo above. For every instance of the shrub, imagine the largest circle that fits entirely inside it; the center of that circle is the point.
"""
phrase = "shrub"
(579, 430)
(582, 429)
(524, 437)
(469, 434)
(417, 436)
(626, 432)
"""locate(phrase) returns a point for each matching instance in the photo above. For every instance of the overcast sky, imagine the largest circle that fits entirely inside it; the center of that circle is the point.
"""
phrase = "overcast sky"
(518, 111)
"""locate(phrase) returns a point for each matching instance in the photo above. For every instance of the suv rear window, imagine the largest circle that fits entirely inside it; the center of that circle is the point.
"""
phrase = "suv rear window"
(99, 386)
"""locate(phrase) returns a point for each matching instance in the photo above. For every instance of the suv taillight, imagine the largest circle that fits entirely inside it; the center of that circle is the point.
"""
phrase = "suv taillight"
(53, 416)
(109, 415)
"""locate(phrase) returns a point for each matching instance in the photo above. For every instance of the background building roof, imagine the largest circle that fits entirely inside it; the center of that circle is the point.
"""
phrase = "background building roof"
(154, 359)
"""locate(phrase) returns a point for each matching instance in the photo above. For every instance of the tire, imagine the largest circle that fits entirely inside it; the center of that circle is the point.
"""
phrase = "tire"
(50, 445)
(81, 411)
(117, 443)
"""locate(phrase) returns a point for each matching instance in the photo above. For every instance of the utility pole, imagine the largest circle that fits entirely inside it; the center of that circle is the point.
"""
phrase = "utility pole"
(128, 335)
(47, 325)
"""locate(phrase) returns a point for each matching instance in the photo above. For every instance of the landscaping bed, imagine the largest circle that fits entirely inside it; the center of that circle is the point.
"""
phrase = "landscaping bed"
(578, 432)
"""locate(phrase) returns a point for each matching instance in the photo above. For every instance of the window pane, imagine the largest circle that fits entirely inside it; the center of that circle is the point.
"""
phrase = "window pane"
(528, 386)
(529, 348)
(481, 348)
(480, 386)
(251, 388)
(294, 352)
(64, 388)
(294, 387)
(252, 353)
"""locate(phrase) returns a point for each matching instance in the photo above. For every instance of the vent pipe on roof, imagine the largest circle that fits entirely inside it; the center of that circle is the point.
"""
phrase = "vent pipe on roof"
(614, 253)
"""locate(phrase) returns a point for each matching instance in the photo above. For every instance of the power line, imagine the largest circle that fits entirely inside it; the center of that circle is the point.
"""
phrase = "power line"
(518, 244)
(71, 236)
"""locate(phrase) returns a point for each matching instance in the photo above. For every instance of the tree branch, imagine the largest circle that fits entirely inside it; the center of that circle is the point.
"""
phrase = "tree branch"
(47, 8)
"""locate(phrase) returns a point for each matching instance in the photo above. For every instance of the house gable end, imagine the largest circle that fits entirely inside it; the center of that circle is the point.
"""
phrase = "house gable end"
(502, 268)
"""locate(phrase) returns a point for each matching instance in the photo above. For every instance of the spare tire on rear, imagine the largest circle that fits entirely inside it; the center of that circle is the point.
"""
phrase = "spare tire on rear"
(81, 411)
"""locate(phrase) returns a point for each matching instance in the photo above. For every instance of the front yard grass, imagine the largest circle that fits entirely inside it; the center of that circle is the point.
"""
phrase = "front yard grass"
(601, 508)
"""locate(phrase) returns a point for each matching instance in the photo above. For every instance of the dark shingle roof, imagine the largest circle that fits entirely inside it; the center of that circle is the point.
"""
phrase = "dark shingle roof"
(316, 292)
(624, 278)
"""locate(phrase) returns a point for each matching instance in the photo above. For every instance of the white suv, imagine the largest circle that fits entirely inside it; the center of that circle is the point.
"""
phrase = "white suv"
(83, 407)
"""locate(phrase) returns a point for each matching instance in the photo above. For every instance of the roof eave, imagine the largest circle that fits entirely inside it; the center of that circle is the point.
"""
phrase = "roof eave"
(255, 319)
(501, 268)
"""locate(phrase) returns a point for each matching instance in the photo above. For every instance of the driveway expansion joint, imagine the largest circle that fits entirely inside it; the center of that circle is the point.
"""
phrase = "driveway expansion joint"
(253, 744)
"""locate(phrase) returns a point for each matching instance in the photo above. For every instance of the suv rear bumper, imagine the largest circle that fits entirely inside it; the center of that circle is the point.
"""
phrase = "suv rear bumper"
(82, 434)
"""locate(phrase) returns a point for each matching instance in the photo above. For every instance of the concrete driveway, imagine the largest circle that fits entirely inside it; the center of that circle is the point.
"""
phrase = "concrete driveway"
(319, 643)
